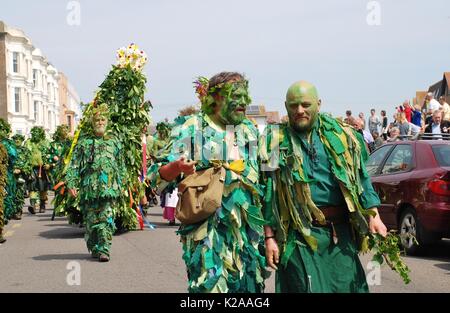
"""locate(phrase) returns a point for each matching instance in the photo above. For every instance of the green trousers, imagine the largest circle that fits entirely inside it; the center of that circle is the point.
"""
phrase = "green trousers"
(100, 227)
(333, 268)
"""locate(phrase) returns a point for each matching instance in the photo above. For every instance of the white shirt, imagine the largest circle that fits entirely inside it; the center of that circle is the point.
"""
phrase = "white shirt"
(172, 199)
(434, 105)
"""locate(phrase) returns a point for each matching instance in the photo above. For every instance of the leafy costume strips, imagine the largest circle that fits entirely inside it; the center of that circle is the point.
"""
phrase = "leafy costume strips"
(22, 173)
(38, 146)
(222, 254)
(123, 93)
(303, 176)
(59, 147)
(97, 172)
(3, 174)
(10, 207)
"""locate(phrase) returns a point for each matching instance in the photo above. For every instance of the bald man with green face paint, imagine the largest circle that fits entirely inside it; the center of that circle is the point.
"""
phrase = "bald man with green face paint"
(319, 203)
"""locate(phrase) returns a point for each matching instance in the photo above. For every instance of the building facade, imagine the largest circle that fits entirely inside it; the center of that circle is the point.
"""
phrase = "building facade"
(259, 115)
(29, 84)
(69, 101)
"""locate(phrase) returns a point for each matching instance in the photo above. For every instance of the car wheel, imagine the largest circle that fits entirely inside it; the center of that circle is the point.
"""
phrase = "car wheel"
(409, 229)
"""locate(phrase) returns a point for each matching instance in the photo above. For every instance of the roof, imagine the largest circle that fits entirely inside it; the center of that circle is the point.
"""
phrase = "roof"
(447, 79)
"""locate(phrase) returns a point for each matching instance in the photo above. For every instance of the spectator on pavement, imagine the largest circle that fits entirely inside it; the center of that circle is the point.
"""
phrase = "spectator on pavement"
(445, 107)
(437, 126)
(374, 122)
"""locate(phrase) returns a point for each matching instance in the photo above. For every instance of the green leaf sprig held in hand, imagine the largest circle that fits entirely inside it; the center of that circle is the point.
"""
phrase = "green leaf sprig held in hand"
(387, 248)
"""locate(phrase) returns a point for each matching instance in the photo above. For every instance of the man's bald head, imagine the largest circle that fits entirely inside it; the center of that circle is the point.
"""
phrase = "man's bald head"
(302, 89)
(302, 105)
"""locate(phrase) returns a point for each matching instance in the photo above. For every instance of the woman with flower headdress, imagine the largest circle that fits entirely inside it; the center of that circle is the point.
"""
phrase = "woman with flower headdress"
(221, 251)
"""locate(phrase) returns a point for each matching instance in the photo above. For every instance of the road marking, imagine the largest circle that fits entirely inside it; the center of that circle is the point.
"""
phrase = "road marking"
(9, 233)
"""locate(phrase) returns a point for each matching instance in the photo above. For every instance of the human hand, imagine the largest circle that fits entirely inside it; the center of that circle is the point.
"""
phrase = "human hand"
(73, 193)
(17, 171)
(186, 167)
(376, 225)
(272, 253)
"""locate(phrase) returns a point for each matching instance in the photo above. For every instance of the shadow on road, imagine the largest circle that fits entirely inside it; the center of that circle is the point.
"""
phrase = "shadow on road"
(63, 233)
(444, 266)
(436, 252)
(165, 225)
(154, 214)
(73, 256)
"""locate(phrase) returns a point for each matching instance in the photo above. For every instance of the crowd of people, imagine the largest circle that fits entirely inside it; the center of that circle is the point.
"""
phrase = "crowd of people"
(429, 121)
(32, 167)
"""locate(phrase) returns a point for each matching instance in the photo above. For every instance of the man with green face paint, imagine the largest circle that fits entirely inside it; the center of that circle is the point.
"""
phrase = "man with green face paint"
(96, 176)
(317, 199)
(222, 252)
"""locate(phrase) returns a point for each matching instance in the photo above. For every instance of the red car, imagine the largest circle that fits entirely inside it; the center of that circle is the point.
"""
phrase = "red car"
(412, 179)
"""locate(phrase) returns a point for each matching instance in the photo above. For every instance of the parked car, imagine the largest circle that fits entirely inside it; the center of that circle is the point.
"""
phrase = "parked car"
(412, 179)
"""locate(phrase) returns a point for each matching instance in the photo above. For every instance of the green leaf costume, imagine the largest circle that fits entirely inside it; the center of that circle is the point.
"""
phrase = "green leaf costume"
(329, 171)
(10, 203)
(222, 253)
(97, 170)
(39, 146)
(3, 175)
(23, 164)
(123, 92)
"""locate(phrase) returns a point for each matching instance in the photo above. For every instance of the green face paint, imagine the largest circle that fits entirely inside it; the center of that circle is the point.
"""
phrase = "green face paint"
(234, 104)
(302, 105)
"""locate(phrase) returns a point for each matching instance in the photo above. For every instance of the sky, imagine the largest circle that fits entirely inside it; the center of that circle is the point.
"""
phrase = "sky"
(335, 45)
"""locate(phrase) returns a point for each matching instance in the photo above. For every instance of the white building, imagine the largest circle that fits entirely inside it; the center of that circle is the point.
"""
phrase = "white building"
(29, 84)
(261, 117)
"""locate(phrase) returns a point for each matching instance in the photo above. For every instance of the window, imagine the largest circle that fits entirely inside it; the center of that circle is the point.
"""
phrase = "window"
(16, 62)
(17, 104)
(49, 91)
(19, 132)
(69, 122)
(49, 120)
(35, 78)
(400, 160)
(442, 153)
(376, 159)
(36, 111)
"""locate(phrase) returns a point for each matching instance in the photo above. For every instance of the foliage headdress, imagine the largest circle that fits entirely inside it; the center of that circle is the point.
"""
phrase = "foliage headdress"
(206, 91)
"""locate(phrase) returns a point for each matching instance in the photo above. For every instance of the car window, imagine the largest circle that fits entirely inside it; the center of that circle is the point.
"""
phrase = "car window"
(400, 160)
(376, 158)
(442, 154)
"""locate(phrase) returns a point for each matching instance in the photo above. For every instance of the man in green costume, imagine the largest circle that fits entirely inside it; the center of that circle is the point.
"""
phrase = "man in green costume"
(317, 199)
(96, 174)
(10, 208)
(22, 173)
(38, 146)
(3, 174)
(58, 149)
(222, 252)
